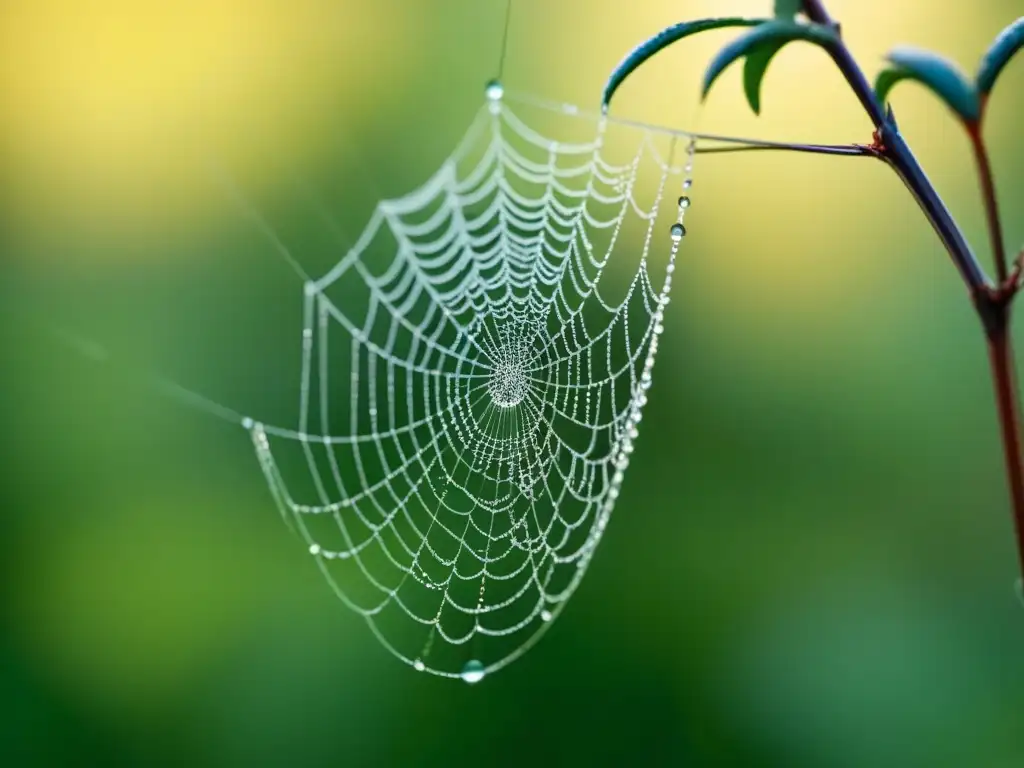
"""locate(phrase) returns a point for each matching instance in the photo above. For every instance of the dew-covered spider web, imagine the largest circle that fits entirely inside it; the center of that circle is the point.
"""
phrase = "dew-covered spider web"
(473, 378)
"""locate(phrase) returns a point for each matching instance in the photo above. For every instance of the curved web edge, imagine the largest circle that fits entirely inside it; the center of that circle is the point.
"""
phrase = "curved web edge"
(437, 230)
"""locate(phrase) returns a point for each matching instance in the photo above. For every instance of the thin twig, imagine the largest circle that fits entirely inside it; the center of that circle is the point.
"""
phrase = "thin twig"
(847, 150)
(988, 190)
(572, 109)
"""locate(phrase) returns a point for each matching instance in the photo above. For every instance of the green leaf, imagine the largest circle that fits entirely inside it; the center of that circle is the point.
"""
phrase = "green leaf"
(662, 40)
(787, 9)
(1007, 43)
(941, 76)
(769, 33)
(754, 70)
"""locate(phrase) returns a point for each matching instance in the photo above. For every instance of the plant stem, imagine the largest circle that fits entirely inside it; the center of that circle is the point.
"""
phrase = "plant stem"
(991, 303)
(1004, 377)
(1000, 346)
(816, 12)
(988, 189)
(898, 154)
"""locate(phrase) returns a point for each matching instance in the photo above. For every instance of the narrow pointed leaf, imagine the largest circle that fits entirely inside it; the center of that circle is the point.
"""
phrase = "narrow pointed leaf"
(772, 32)
(1006, 44)
(754, 69)
(662, 40)
(787, 9)
(941, 76)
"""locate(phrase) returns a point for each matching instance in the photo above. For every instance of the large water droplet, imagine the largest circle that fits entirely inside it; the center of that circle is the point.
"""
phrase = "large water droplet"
(684, 203)
(677, 232)
(418, 665)
(494, 90)
(473, 672)
(687, 183)
(545, 615)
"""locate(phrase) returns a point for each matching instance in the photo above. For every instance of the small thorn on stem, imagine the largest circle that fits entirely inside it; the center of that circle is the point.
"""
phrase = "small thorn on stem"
(1013, 280)
(1003, 293)
(877, 144)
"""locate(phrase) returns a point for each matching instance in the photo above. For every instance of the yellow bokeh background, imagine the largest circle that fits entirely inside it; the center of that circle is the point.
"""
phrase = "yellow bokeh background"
(112, 110)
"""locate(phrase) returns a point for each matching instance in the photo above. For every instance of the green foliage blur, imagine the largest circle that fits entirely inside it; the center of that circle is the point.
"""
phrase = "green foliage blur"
(811, 563)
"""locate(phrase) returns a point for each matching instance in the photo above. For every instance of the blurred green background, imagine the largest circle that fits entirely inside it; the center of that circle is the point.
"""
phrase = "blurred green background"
(811, 563)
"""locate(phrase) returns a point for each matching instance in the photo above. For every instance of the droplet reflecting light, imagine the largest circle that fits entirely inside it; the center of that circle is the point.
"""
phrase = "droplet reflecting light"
(473, 672)
(494, 90)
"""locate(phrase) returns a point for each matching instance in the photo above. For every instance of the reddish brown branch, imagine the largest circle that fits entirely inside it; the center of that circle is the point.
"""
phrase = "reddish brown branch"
(988, 190)
(1004, 377)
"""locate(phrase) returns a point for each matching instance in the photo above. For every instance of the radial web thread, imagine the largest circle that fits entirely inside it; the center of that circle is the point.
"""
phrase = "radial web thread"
(474, 372)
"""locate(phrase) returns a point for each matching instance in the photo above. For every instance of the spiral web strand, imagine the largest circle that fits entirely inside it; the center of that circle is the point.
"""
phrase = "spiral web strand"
(474, 371)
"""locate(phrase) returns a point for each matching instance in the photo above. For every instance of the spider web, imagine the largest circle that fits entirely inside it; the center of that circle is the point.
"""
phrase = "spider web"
(474, 372)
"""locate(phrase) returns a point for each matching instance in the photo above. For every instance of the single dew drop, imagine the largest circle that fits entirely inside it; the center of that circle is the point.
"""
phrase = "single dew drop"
(494, 90)
(418, 665)
(314, 549)
(473, 672)
(687, 183)
(684, 203)
(545, 615)
(677, 232)
(247, 423)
